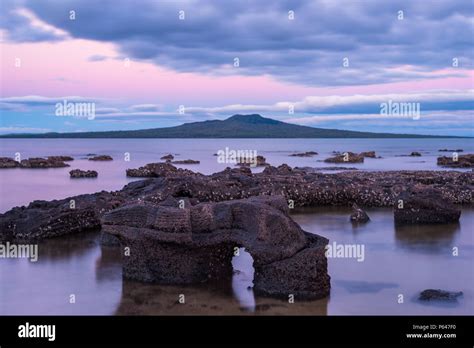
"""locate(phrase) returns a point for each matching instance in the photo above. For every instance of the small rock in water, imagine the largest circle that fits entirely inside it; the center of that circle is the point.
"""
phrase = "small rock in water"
(439, 295)
(347, 157)
(60, 158)
(421, 205)
(101, 158)
(258, 161)
(78, 173)
(188, 161)
(448, 150)
(415, 154)
(369, 154)
(359, 215)
(168, 157)
(304, 154)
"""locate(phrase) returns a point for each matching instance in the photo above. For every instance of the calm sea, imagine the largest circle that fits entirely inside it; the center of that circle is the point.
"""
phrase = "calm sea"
(397, 261)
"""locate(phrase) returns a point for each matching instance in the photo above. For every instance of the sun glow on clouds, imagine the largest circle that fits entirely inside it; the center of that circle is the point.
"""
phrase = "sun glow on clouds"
(62, 68)
(37, 23)
(65, 68)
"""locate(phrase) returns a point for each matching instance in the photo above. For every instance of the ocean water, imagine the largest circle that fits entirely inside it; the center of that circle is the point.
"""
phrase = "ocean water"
(397, 261)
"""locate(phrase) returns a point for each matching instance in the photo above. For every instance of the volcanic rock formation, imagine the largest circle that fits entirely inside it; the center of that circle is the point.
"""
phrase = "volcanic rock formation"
(170, 245)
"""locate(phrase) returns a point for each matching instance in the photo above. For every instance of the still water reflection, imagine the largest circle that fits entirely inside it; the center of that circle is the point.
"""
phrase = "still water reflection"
(398, 260)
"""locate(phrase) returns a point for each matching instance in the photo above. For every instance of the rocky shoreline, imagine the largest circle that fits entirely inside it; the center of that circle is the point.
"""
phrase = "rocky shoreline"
(43, 219)
(195, 219)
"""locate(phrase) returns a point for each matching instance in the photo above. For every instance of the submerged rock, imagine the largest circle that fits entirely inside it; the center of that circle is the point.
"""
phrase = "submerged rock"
(439, 295)
(78, 173)
(447, 150)
(347, 157)
(424, 205)
(304, 154)
(188, 161)
(101, 158)
(193, 245)
(462, 161)
(358, 215)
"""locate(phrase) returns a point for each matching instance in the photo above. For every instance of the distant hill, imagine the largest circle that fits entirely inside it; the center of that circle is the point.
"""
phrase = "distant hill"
(237, 126)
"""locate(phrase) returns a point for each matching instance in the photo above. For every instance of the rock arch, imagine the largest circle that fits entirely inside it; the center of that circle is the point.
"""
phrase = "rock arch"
(169, 245)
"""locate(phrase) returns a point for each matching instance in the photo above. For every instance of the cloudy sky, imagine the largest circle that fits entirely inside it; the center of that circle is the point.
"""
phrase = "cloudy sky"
(332, 62)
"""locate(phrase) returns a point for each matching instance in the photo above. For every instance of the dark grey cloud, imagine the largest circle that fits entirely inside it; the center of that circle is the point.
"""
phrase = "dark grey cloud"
(310, 49)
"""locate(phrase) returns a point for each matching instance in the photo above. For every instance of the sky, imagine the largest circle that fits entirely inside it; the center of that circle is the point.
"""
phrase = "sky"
(319, 63)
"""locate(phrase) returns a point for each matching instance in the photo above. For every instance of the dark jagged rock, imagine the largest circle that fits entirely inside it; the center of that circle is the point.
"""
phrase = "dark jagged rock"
(420, 205)
(38, 162)
(304, 154)
(78, 173)
(188, 161)
(8, 162)
(347, 157)
(369, 154)
(358, 215)
(367, 189)
(193, 245)
(168, 157)
(463, 161)
(439, 295)
(415, 154)
(101, 158)
(60, 158)
(42, 219)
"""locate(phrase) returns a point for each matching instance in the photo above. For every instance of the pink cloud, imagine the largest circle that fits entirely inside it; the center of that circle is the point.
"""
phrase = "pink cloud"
(63, 68)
